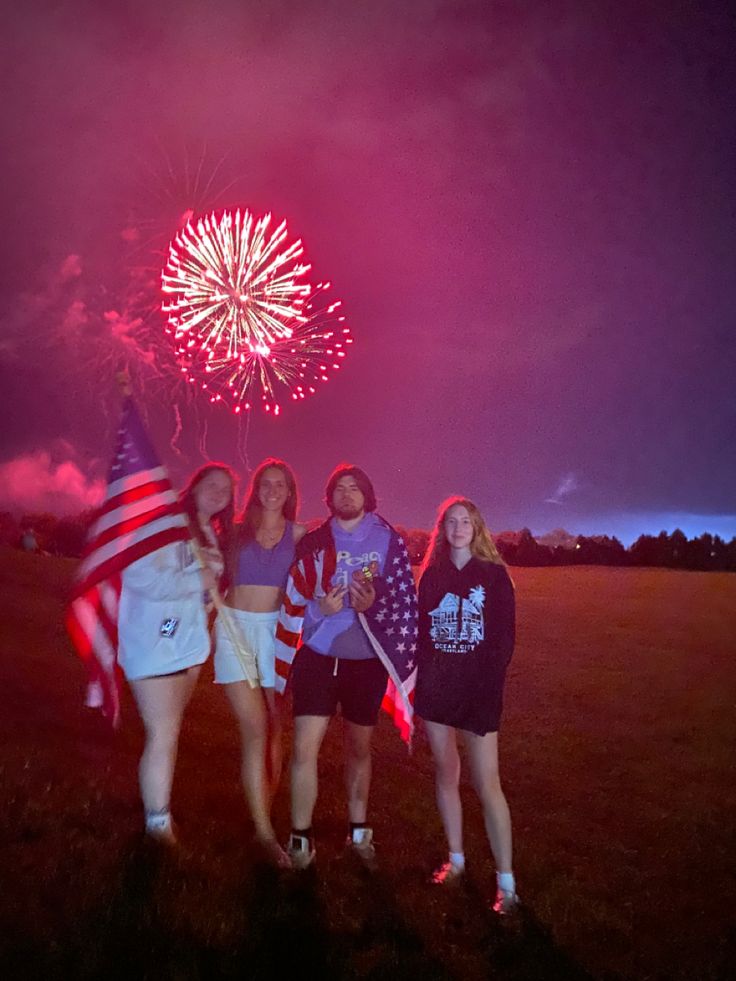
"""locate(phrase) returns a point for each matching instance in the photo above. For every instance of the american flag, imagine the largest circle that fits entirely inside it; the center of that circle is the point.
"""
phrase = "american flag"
(141, 513)
(390, 623)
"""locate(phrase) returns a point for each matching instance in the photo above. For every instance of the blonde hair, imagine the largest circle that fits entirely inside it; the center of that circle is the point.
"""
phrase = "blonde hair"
(482, 545)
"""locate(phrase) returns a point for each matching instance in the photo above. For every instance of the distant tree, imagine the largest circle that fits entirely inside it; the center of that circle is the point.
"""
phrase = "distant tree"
(599, 550)
(530, 552)
(617, 551)
(69, 535)
(719, 553)
(417, 540)
(647, 550)
(711, 552)
(507, 542)
(562, 555)
(700, 554)
(730, 555)
(678, 549)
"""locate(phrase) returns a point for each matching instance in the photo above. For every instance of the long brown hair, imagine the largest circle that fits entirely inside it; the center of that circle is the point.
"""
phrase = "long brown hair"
(223, 522)
(250, 517)
(481, 547)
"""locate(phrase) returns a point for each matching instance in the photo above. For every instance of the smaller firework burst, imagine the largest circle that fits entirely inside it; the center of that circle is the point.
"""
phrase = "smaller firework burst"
(245, 320)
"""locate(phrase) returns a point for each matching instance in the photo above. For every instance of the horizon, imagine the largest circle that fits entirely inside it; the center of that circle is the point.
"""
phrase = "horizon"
(626, 528)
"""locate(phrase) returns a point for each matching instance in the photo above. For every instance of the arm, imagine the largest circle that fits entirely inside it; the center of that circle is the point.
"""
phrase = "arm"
(502, 616)
(424, 647)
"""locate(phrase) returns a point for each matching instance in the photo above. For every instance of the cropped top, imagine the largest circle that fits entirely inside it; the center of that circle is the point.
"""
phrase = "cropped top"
(259, 566)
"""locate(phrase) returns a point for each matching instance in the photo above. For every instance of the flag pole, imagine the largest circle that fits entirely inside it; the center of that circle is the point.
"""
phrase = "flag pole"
(247, 658)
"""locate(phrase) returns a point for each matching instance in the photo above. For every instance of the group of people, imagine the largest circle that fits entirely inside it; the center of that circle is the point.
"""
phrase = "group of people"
(335, 614)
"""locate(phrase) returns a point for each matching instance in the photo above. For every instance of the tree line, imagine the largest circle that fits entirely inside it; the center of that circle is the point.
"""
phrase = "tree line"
(673, 551)
(66, 537)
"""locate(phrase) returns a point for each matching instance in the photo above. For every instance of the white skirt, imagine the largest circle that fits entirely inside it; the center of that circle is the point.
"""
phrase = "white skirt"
(258, 631)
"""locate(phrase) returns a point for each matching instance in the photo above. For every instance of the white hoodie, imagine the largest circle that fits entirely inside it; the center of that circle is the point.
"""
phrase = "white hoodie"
(162, 624)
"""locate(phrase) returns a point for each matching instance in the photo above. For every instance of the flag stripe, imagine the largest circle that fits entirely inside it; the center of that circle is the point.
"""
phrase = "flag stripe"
(137, 550)
(111, 517)
(135, 479)
(128, 522)
(93, 568)
(300, 580)
(140, 514)
(288, 637)
(293, 609)
(329, 564)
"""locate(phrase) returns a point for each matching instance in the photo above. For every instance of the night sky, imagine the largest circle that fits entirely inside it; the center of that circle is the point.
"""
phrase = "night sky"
(526, 208)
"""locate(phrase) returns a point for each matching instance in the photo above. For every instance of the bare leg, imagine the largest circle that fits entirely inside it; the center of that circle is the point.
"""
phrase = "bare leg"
(443, 740)
(357, 769)
(309, 731)
(249, 708)
(274, 752)
(161, 702)
(483, 759)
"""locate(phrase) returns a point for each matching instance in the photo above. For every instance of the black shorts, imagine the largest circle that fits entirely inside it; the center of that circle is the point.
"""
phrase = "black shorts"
(320, 682)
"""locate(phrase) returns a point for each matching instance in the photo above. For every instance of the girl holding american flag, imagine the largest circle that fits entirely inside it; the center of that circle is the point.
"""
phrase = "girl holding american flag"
(143, 592)
(163, 633)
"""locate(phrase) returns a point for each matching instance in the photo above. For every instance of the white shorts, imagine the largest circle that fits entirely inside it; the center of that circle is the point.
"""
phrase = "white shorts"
(258, 631)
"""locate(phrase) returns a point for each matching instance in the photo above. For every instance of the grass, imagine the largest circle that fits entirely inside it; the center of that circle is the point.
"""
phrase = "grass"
(617, 758)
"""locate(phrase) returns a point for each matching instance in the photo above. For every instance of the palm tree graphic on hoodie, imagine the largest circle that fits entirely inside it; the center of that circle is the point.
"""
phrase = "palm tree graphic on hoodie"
(459, 620)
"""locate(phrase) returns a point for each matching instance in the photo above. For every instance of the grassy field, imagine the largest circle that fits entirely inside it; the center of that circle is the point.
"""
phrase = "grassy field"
(618, 761)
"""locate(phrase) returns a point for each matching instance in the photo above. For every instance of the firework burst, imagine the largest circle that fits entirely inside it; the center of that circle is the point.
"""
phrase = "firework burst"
(246, 321)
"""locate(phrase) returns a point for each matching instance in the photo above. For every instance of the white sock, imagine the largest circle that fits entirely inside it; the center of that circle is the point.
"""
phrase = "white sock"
(158, 820)
(506, 881)
(457, 860)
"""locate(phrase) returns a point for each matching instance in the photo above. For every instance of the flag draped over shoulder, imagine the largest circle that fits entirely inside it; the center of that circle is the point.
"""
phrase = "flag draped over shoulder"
(390, 624)
(140, 514)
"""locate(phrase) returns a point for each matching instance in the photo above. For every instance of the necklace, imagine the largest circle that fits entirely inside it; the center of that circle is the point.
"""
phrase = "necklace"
(268, 539)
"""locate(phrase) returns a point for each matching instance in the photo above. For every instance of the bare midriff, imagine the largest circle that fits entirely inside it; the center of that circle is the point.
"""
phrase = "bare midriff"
(255, 599)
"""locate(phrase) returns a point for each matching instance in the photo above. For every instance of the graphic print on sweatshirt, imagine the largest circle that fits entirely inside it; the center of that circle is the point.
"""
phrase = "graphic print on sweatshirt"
(457, 623)
(351, 566)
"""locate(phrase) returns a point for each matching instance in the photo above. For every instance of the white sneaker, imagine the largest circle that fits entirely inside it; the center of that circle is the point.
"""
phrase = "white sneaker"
(300, 852)
(506, 902)
(360, 842)
(448, 875)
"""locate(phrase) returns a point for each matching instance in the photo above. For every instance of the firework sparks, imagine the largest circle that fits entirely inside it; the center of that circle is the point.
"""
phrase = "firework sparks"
(244, 318)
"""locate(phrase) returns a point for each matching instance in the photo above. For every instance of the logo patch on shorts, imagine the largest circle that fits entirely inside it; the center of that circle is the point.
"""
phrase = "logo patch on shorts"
(168, 627)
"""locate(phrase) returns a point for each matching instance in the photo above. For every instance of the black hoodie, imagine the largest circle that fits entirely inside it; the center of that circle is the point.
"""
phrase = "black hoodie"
(466, 639)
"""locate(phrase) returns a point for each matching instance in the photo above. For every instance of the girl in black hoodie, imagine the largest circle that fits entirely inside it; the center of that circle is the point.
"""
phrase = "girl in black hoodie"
(466, 639)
